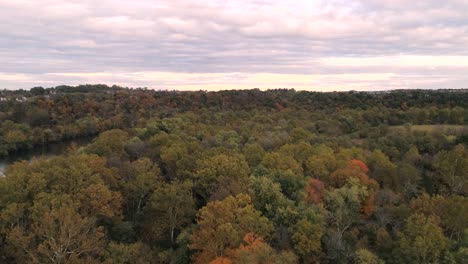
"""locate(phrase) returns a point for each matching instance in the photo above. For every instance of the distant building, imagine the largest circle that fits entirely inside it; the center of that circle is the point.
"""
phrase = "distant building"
(21, 99)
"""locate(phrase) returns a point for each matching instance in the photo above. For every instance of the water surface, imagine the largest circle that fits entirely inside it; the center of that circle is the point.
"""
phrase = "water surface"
(52, 149)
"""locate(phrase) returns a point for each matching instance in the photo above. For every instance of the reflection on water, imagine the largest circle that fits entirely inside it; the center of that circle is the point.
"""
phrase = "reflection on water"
(44, 151)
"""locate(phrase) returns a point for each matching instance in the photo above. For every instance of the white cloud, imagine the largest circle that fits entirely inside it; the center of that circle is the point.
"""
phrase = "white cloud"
(352, 43)
(14, 77)
(399, 61)
(79, 43)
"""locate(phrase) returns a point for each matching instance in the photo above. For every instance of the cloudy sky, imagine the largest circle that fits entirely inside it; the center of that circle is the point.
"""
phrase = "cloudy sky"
(235, 44)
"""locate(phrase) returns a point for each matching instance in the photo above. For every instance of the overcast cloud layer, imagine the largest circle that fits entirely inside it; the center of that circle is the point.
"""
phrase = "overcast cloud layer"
(223, 44)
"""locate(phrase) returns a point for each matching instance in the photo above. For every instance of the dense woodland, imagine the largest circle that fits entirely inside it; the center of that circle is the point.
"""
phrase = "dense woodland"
(279, 176)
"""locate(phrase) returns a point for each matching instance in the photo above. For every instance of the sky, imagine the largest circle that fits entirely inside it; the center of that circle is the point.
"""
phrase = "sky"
(333, 45)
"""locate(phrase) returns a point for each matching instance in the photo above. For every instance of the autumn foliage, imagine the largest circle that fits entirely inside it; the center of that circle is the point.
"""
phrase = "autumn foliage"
(360, 164)
(254, 249)
(357, 169)
(233, 177)
(315, 191)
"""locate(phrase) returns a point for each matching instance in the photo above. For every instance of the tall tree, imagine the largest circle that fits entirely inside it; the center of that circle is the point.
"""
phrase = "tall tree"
(344, 205)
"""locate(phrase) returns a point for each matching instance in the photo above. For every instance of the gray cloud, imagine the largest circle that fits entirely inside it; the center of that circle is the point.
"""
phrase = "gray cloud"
(121, 40)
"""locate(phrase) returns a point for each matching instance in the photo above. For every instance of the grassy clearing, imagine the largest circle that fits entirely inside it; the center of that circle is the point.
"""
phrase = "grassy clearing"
(446, 129)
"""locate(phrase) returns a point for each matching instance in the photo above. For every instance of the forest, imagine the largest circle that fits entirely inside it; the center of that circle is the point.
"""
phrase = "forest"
(239, 176)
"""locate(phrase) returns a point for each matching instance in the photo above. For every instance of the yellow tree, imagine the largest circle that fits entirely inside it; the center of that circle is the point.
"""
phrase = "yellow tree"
(221, 225)
(60, 235)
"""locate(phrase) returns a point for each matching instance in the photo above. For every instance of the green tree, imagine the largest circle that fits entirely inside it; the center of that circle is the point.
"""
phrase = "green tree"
(383, 170)
(170, 208)
(269, 200)
(452, 212)
(451, 170)
(409, 179)
(134, 147)
(135, 253)
(280, 161)
(139, 182)
(307, 239)
(110, 144)
(300, 151)
(422, 240)
(60, 235)
(13, 136)
(364, 256)
(344, 206)
(221, 175)
(292, 185)
(171, 155)
(49, 209)
(322, 163)
(254, 154)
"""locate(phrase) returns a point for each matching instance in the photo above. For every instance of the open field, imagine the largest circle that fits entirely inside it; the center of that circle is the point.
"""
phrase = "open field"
(448, 129)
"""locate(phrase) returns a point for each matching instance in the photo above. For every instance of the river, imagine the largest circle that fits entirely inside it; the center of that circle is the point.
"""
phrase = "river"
(52, 149)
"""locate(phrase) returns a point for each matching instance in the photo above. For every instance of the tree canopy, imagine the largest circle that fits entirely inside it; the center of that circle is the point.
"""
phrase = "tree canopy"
(246, 176)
